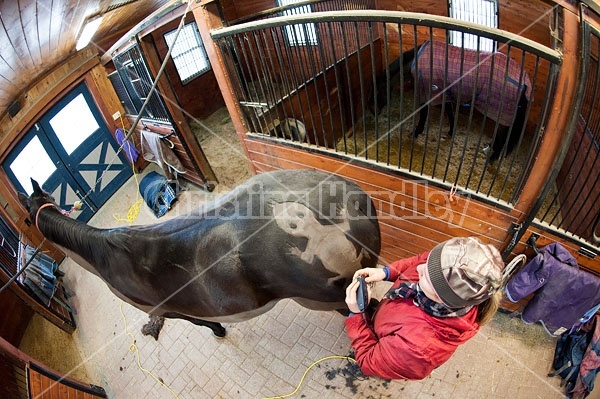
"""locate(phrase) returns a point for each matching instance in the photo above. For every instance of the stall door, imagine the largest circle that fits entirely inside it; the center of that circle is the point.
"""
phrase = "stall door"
(71, 154)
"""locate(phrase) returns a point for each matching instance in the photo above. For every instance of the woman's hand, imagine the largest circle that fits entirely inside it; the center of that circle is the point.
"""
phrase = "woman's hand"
(351, 296)
(371, 274)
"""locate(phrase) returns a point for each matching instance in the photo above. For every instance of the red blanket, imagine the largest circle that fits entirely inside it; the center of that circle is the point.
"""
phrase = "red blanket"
(497, 97)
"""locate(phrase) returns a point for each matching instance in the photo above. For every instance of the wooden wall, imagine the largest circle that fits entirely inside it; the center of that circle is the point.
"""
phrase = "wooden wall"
(14, 317)
(200, 97)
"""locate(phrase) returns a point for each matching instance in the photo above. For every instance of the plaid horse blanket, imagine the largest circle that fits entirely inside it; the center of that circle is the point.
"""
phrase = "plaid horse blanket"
(493, 97)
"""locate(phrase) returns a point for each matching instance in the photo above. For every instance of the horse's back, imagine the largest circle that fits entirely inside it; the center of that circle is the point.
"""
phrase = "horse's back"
(282, 234)
(494, 80)
(310, 229)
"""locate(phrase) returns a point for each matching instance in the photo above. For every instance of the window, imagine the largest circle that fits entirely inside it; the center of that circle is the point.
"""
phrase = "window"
(299, 34)
(188, 54)
(483, 12)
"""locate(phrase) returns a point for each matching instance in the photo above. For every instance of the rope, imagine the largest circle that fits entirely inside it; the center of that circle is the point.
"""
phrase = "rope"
(511, 267)
(145, 104)
(133, 348)
(134, 210)
(306, 372)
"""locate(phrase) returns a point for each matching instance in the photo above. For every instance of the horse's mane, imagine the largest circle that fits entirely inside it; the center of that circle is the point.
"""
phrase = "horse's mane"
(91, 242)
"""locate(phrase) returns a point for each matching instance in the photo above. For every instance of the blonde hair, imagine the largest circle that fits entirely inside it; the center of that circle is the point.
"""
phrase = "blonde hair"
(487, 309)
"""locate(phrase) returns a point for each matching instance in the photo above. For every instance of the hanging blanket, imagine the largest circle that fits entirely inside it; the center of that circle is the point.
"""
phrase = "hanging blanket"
(158, 193)
(500, 99)
(577, 359)
(130, 151)
(155, 148)
(563, 292)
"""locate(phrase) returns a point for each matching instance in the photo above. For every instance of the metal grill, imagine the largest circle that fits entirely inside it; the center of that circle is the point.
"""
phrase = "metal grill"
(137, 81)
(9, 247)
(484, 12)
(573, 203)
(188, 53)
(339, 98)
(122, 93)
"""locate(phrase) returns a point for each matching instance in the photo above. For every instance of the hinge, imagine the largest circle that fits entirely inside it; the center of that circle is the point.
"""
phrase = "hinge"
(587, 252)
(513, 230)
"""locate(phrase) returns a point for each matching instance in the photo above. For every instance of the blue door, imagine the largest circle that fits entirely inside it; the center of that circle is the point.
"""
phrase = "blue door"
(72, 154)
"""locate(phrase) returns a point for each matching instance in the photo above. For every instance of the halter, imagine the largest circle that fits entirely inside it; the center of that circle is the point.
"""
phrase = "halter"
(37, 214)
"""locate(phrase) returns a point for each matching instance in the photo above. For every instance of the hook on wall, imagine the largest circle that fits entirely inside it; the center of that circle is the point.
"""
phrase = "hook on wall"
(532, 240)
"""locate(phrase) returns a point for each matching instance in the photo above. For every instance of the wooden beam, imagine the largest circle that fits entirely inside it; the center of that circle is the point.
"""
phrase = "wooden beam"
(179, 119)
(207, 18)
(559, 119)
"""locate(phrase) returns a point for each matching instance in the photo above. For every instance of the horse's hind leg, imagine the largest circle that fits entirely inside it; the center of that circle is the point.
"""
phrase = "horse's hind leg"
(153, 327)
(422, 118)
(450, 114)
(217, 329)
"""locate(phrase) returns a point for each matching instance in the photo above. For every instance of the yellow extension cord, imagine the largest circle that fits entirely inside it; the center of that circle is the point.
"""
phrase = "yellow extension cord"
(306, 372)
(133, 348)
(134, 210)
(132, 214)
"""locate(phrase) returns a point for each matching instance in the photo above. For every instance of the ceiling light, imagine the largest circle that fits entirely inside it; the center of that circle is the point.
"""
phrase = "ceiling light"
(88, 32)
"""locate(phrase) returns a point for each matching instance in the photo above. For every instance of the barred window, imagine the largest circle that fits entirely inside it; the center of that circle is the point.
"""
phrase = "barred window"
(188, 54)
(135, 84)
(483, 12)
(299, 34)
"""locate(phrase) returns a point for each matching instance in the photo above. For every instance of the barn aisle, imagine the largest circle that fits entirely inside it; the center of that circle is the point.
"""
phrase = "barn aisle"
(267, 356)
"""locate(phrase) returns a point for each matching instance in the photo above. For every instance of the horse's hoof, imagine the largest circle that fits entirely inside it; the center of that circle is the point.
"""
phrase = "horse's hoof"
(153, 327)
(219, 333)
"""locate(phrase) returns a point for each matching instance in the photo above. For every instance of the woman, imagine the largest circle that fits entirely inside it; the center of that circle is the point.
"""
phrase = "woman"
(438, 301)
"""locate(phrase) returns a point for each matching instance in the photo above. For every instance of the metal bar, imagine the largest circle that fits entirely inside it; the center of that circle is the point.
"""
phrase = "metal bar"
(338, 85)
(421, 19)
(327, 92)
(521, 133)
(349, 80)
(362, 92)
(501, 157)
(471, 112)
(416, 102)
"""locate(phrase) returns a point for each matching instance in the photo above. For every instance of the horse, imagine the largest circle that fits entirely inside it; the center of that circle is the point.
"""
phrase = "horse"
(298, 234)
(492, 83)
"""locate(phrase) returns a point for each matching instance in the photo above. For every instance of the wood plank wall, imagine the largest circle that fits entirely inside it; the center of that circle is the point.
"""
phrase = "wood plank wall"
(43, 387)
(414, 215)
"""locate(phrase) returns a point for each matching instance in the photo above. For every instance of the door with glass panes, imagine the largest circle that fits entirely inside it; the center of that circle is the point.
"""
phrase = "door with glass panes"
(71, 154)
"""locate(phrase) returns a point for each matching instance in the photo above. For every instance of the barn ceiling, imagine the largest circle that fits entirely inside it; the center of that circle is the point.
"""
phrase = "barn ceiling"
(38, 35)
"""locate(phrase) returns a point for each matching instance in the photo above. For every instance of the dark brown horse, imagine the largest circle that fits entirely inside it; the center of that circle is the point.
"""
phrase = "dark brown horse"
(492, 83)
(296, 234)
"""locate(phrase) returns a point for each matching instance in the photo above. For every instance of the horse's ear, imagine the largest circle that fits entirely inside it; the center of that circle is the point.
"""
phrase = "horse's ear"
(24, 200)
(36, 187)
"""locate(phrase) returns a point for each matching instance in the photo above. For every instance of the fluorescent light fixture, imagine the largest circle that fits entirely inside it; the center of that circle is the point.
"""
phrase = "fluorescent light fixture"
(88, 32)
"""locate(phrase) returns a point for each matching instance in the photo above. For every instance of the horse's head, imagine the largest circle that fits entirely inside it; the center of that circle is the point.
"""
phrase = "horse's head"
(38, 198)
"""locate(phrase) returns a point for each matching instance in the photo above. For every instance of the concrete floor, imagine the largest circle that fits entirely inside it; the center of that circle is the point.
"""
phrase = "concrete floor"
(268, 356)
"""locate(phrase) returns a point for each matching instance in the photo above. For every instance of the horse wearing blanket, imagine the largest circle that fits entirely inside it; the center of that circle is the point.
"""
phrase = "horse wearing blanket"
(492, 83)
(297, 234)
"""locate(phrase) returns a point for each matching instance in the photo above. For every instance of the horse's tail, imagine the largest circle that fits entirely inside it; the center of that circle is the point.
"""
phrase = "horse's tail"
(393, 68)
(520, 120)
(514, 132)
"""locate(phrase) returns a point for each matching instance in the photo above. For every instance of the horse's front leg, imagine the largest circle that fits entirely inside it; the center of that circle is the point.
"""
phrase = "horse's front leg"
(422, 119)
(217, 329)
